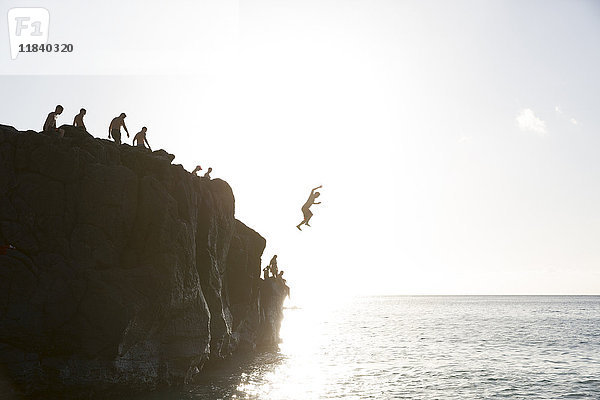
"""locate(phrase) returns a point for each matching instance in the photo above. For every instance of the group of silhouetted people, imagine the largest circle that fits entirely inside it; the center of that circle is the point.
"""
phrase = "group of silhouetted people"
(199, 168)
(114, 132)
(276, 274)
(50, 123)
(114, 129)
(273, 269)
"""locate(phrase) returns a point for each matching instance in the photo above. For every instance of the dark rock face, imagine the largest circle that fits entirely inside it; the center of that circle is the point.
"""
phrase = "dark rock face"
(126, 270)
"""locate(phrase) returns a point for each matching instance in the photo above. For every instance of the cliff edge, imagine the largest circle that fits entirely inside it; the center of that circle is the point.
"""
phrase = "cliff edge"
(123, 269)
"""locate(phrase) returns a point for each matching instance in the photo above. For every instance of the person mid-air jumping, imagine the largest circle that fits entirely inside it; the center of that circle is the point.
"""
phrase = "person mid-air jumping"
(306, 207)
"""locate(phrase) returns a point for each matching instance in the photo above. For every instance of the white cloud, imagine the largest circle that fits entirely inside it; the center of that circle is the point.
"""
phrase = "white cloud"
(527, 121)
(558, 110)
(464, 139)
(573, 121)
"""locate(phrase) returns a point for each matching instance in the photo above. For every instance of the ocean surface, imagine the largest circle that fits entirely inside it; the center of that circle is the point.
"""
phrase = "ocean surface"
(467, 347)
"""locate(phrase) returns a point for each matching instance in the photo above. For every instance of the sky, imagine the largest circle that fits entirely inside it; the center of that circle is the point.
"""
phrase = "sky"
(456, 142)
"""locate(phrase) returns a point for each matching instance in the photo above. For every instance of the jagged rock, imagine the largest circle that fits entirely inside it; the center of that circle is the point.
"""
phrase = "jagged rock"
(126, 270)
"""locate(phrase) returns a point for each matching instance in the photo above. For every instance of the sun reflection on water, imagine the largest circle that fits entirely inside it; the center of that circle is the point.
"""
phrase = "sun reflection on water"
(296, 372)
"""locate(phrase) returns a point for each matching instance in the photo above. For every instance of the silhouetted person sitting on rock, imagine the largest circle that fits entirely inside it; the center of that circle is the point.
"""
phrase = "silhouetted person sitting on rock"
(140, 138)
(114, 129)
(50, 123)
(306, 207)
(207, 174)
(280, 277)
(266, 273)
(273, 266)
(78, 121)
(197, 169)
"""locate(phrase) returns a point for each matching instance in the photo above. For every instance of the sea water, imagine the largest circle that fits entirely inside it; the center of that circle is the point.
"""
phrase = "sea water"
(469, 347)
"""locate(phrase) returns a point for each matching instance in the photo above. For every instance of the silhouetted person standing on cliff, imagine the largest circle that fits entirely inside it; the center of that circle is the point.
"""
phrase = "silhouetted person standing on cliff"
(306, 207)
(78, 121)
(114, 129)
(50, 123)
(140, 138)
(273, 265)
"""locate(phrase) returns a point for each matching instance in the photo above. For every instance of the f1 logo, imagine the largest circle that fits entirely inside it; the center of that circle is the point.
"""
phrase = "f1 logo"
(27, 26)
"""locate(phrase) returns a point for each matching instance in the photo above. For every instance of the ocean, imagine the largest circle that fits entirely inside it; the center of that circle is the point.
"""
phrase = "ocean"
(402, 347)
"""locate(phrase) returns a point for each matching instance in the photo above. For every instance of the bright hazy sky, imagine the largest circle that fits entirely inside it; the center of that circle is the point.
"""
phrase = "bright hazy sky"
(457, 141)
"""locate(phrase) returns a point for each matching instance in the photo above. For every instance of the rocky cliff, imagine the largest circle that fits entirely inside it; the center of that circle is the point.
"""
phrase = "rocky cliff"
(123, 269)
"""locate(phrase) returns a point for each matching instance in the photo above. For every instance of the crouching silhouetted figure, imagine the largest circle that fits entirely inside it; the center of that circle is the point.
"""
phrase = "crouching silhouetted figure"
(280, 277)
(140, 138)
